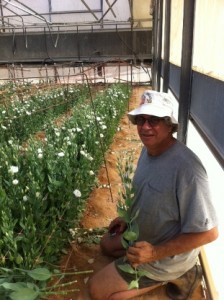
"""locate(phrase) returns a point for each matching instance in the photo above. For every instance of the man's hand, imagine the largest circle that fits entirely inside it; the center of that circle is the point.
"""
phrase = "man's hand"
(117, 226)
(140, 253)
(143, 252)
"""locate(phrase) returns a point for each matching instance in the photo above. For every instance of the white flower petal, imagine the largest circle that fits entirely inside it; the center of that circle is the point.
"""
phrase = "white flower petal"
(15, 181)
(61, 154)
(77, 193)
(13, 169)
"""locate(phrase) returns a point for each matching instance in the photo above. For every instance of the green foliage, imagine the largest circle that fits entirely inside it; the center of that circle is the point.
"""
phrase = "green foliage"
(44, 183)
(125, 170)
(88, 235)
(127, 196)
(25, 109)
(21, 284)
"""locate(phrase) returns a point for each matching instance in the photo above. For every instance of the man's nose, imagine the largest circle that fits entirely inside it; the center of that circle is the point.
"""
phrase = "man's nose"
(147, 124)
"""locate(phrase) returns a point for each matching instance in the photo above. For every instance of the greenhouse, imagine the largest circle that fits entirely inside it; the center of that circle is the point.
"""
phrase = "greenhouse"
(70, 73)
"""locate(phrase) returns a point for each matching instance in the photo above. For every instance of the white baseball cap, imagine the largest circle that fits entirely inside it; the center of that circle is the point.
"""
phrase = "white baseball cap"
(154, 103)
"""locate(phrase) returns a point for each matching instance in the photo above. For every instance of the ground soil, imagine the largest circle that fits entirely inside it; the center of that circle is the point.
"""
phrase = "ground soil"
(101, 209)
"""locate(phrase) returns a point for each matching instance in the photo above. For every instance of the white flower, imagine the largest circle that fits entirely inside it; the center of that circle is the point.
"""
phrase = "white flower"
(98, 118)
(91, 172)
(77, 193)
(25, 198)
(10, 142)
(101, 135)
(15, 181)
(39, 150)
(57, 133)
(40, 155)
(78, 129)
(13, 169)
(104, 127)
(61, 154)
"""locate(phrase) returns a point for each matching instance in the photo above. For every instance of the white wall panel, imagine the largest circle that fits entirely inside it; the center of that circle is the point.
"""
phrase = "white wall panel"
(209, 38)
(141, 10)
(176, 28)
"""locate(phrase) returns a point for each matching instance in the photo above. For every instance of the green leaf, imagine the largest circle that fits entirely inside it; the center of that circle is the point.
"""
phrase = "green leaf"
(127, 268)
(24, 294)
(19, 259)
(124, 243)
(143, 273)
(6, 270)
(13, 286)
(57, 183)
(129, 202)
(133, 285)
(123, 214)
(130, 235)
(32, 286)
(40, 274)
(134, 227)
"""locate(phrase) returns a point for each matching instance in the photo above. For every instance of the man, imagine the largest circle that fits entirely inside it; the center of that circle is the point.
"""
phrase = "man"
(176, 216)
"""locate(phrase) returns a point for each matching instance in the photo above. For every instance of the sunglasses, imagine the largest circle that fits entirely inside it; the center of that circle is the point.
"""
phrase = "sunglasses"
(152, 121)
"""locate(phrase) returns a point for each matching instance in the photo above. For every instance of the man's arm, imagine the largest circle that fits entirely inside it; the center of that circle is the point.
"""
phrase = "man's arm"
(144, 252)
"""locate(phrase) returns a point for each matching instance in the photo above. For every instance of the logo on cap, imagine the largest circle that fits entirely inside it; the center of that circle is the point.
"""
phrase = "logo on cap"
(147, 97)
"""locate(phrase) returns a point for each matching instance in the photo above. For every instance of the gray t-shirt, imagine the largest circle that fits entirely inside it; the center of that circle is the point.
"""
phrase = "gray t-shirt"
(172, 196)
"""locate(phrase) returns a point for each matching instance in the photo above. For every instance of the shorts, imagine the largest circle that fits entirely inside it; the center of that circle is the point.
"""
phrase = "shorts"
(144, 281)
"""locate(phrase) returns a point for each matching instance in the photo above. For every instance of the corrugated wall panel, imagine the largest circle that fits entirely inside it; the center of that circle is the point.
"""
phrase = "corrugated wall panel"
(207, 108)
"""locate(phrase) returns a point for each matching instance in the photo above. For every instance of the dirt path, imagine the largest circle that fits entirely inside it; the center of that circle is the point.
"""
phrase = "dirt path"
(101, 209)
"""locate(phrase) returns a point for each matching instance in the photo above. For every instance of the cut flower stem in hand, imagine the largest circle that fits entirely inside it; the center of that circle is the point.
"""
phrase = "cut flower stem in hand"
(130, 235)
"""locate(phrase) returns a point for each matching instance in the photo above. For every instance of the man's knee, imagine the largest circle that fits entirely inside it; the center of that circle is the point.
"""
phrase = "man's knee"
(104, 244)
(111, 246)
(93, 289)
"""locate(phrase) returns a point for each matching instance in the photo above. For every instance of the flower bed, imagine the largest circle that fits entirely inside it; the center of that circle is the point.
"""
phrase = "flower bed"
(44, 185)
(23, 112)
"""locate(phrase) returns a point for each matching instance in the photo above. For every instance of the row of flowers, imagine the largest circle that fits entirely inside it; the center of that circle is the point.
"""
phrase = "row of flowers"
(24, 110)
(45, 183)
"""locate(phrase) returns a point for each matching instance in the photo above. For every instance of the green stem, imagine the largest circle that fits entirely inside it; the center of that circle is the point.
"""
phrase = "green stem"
(73, 273)
(59, 293)
(60, 285)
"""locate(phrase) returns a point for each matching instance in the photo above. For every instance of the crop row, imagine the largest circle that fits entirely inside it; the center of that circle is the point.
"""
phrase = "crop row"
(44, 184)
(25, 110)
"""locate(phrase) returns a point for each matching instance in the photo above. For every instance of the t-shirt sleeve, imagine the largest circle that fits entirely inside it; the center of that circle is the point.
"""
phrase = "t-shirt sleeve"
(197, 213)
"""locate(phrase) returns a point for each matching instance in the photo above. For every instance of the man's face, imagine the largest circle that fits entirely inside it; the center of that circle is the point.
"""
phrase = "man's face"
(153, 131)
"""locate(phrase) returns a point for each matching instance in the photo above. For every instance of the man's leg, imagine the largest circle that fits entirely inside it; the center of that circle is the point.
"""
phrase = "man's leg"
(108, 284)
(83, 295)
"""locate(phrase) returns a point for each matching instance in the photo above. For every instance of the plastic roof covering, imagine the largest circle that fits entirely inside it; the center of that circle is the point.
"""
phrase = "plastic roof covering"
(34, 15)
